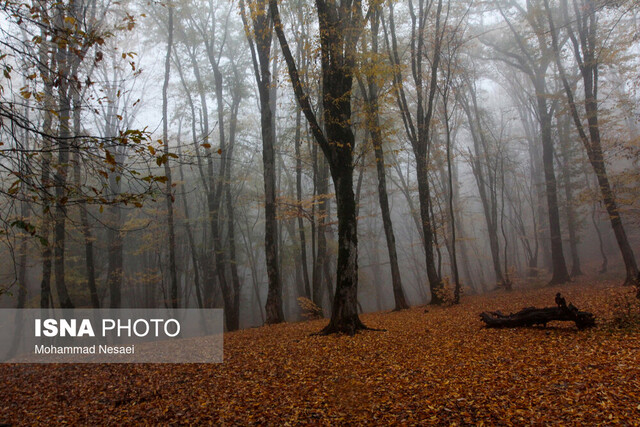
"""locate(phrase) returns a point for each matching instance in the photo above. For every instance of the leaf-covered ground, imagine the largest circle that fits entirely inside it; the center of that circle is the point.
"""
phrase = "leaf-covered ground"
(440, 366)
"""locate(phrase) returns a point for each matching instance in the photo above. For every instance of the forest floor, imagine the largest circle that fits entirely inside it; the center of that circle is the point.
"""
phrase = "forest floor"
(439, 366)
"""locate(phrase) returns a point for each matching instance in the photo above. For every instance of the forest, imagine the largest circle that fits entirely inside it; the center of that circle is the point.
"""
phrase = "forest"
(364, 157)
(336, 167)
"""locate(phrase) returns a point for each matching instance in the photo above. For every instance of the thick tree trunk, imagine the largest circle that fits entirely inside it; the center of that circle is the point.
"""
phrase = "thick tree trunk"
(339, 29)
(274, 296)
(327, 277)
(321, 258)
(344, 313)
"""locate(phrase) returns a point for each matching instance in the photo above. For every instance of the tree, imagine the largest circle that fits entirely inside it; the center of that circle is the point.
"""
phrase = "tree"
(259, 38)
(340, 26)
(418, 125)
(174, 302)
(373, 124)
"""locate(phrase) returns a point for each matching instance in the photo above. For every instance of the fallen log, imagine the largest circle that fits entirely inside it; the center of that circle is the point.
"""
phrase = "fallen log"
(532, 316)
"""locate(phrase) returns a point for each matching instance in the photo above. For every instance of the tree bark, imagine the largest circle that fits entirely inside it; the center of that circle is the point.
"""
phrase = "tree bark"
(60, 176)
(301, 233)
(559, 265)
(376, 139)
(47, 146)
(261, 56)
(174, 302)
(187, 226)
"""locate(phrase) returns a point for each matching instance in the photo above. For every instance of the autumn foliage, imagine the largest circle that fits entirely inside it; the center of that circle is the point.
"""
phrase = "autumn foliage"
(439, 366)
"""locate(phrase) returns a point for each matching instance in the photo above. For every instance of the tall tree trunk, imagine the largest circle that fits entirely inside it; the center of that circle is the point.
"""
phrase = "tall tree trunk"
(301, 56)
(344, 314)
(231, 234)
(195, 258)
(454, 255)
(47, 147)
(260, 44)
(173, 275)
(507, 280)
(215, 199)
(322, 256)
(525, 118)
(559, 271)
(187, 226)
(376, 139)
(233, 263)
(301, 232)
(435, 283)
(60, 176)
